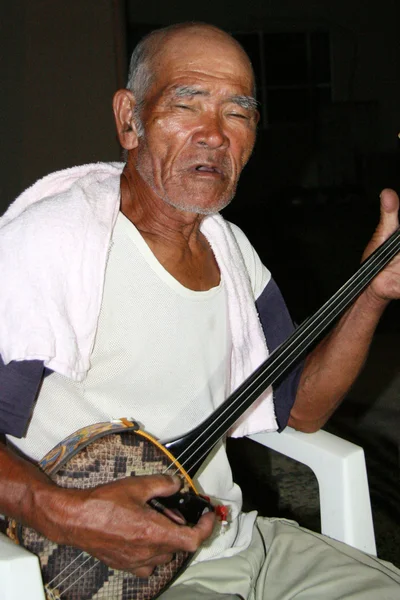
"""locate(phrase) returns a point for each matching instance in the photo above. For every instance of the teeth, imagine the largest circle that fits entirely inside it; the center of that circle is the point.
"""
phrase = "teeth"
(208, 169)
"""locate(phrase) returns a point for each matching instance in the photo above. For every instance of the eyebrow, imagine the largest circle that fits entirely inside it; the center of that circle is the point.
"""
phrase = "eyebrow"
(188, 90)
(246, 102)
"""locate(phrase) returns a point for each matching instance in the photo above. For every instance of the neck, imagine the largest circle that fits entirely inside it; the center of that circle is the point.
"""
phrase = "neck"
(154, 218)
(173, 236)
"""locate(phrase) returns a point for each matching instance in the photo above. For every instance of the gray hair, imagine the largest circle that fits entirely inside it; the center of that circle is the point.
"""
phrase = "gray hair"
(141, 73)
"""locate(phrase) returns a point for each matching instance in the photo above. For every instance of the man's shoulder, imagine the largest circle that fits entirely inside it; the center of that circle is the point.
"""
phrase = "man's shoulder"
(62, 214)
(258, 272)
(239, 234)
(47, 194)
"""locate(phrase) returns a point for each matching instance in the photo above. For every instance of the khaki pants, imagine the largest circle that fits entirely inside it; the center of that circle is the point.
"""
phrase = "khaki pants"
(285, 561)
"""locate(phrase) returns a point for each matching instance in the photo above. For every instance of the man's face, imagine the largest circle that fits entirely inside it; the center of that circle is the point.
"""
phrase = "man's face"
(199, 122)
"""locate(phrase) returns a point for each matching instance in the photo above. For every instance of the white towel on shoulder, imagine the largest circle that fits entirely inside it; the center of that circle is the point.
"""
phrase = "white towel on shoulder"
(54, 241)
(249, 348)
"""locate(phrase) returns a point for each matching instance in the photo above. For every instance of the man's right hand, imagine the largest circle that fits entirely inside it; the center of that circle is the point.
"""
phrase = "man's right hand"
(114, 522)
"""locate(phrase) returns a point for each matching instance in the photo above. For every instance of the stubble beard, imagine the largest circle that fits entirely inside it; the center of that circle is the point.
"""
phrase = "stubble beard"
(201, 210)
(183, 206)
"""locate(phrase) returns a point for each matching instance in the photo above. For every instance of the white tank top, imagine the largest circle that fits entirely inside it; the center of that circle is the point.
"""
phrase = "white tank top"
(162, 357)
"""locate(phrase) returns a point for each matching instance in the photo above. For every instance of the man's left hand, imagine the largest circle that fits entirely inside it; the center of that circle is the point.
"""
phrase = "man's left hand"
(386, 285)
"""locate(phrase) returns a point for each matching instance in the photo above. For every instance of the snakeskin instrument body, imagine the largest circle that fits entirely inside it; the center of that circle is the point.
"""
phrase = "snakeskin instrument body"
(93, 456)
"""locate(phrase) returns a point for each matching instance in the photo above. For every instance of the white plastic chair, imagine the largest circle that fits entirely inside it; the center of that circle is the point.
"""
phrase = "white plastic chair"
(20, 577)
(339, 467)
(344, 503)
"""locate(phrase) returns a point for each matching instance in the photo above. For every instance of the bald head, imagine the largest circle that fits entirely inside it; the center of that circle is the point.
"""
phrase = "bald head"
(146, 58)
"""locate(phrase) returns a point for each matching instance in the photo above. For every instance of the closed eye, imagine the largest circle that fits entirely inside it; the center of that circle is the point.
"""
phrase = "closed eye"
(239, 115)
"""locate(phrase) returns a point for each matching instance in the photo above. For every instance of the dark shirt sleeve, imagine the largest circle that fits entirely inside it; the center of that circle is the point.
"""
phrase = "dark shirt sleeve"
(278, 326)
(19, 386)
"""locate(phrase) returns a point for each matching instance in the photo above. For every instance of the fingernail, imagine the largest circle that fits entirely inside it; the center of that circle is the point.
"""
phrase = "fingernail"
(177, 479)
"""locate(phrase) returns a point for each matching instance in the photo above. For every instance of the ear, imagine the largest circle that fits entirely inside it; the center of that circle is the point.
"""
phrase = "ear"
(123, 106)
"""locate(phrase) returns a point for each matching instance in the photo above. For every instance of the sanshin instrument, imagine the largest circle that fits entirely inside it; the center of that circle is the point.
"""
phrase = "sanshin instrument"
(105, 452)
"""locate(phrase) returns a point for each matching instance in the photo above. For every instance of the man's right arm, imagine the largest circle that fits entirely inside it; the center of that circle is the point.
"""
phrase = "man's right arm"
(112, 522)
(19, 385)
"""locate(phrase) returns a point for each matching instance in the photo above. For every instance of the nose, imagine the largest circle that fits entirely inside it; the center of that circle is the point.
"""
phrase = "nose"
(211, 133)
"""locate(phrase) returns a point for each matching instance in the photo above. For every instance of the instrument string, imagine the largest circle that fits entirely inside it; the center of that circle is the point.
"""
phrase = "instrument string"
(80, 576)
(68, 566)
(305, 335)
(65, 568)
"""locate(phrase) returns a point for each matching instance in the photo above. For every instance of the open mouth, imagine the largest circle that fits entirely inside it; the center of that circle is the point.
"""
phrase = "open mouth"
(208, 169)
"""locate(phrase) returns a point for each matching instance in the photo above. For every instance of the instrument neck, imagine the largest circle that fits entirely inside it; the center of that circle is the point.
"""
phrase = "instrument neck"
(192, 449)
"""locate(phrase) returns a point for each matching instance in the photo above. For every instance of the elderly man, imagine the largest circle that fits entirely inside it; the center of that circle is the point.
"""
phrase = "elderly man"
(129, 308)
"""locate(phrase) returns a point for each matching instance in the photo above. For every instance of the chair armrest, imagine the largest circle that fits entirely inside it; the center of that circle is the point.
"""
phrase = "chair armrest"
(19, 573)
(339, 467)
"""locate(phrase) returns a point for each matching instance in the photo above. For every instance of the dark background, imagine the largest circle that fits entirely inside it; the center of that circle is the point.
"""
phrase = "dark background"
(328, 78)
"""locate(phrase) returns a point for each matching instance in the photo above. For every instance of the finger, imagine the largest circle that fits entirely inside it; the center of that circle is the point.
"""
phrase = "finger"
(158, 485)
(147, 570)
(389, 220)
(205, 526)
(190, 539)
(389, 200)
(174, 485)
(162, 559)
(143, 571)
(388, 223)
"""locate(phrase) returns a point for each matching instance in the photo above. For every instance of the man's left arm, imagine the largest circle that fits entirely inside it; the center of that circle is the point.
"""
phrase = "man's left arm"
(333, 366)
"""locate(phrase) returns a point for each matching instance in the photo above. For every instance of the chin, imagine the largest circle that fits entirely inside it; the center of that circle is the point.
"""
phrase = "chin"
(188, 201)
(199, 207)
